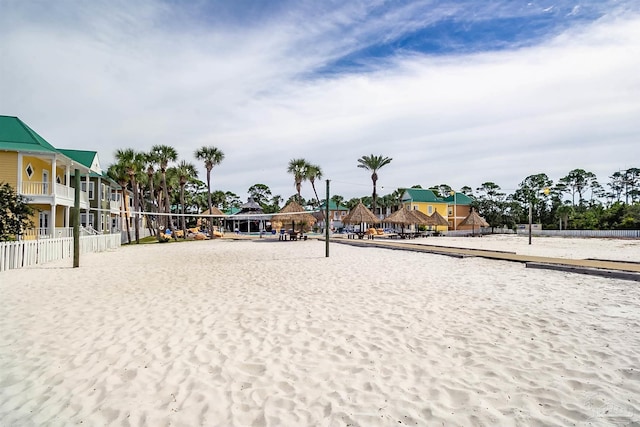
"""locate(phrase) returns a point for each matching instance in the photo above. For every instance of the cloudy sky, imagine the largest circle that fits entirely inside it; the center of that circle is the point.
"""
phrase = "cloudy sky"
(455, 92)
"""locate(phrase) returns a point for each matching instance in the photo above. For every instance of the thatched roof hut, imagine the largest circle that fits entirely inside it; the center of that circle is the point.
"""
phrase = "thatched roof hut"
(438, 219)
(360, 214)
(474, 219)
(294, 214)
(404, 216)
(214, 212)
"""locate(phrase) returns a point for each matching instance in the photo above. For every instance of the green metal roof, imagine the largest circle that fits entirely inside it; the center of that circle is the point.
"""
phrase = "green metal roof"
(422, 195)
(460, 199)
(83, 157)
(333, 207)
(15, 135)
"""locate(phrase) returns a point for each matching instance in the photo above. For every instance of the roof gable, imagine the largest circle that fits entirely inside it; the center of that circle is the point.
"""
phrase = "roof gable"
(85, 158)
(15, 135)
(421, 195)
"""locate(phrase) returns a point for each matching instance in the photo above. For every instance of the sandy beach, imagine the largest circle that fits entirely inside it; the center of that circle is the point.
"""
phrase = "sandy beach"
(269, 333)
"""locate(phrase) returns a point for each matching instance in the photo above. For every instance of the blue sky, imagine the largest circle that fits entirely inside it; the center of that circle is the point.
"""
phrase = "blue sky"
(457, 93)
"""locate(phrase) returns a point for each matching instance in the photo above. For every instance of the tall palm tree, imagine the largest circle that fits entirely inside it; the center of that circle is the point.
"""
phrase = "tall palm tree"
(163, 155)
(151, 163)
(212, 157)
(298, 168)
(118, 174)
(312, 173)
(132, 164)
(373, 163)
(186, 171)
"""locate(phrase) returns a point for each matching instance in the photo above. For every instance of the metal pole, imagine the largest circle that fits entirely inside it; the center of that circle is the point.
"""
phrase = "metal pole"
(326, 223)
(76, 220)
(530, 219)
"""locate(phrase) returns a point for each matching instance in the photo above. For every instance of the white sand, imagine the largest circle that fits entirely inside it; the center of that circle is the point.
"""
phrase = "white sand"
(558, 247)
(242, 333)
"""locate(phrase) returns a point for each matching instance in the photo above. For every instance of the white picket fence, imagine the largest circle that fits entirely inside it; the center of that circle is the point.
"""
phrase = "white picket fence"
(26, 253)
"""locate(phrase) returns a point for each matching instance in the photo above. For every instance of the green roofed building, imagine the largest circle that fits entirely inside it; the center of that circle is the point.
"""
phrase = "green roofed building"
(104, 194)
(42, 174)
(455, 207)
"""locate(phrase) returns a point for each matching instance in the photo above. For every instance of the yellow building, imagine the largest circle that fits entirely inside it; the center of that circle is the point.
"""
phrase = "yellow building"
(427, 202)
(40, 173)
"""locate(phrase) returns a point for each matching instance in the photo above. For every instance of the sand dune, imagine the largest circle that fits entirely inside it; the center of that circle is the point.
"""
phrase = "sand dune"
(264, 333)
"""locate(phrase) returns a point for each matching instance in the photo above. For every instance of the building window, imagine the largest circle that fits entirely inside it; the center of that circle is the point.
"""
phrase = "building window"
(429, 209)
(86, 219)
(83, 187)
(29, 170)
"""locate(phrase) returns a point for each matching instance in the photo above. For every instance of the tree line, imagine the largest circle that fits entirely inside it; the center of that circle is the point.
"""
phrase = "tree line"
(576, 201)
(161, 183)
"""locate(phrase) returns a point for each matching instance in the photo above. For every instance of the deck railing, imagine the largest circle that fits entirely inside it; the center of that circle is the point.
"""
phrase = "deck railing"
(27, 253)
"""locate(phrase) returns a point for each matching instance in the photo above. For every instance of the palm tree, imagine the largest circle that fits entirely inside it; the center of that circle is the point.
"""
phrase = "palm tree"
(312, 173)
(117, 173)
(373, 163)
(132, 163)
(163, 155)
(185, 171)
(212, 157)
(298, 168)
(151, 162)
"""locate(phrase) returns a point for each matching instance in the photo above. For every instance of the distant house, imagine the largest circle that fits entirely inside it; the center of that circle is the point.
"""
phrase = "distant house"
(105, 205)
(42, 174)
(336, 213)
(426, 201)
(459, 207)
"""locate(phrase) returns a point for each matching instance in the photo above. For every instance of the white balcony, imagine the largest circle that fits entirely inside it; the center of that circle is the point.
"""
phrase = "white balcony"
(45, 193)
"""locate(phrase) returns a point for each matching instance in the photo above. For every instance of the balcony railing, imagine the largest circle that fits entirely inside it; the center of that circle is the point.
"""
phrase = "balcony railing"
(45, 189)
(45, 233)
(36, 188)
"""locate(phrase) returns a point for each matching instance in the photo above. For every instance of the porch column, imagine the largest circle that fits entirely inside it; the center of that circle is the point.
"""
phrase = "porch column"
(99, 197)
(88, 209)
(66, 216)
(53, 183)
(52, 221)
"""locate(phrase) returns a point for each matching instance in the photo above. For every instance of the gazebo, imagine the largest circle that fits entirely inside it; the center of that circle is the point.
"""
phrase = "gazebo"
(250, 213)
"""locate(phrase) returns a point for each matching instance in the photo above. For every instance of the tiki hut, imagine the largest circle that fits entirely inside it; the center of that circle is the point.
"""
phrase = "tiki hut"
(474, 219)
(438, 219)
(210, 215)
(404, 216)
(360, 215)
(294, 214)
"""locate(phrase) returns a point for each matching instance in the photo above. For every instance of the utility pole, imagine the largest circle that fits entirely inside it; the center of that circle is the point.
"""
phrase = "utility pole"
(326, 222)
(76, 220)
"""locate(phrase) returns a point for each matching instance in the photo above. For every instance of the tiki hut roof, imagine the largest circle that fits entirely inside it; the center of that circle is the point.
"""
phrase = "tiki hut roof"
(474, 219)
(403, 216)
(423, 217)
(360, 214)
(293, 212)
(214, 211)
(439, 219)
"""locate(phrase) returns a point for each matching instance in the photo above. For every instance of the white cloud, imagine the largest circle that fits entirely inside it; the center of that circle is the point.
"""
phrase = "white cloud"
(124, 79)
